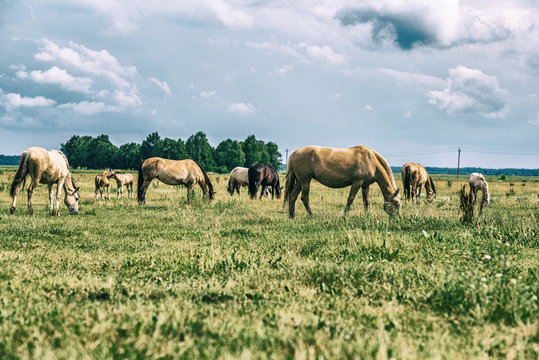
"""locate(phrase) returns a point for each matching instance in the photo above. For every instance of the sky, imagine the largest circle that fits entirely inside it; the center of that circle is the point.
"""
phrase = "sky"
(414, 80)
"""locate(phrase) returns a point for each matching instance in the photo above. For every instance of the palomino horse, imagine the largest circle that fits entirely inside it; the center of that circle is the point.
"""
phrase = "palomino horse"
(238, 177)
(102, 182)
(416, 176)
(478, 182)
(46, 167)
(121, 180)
(265, 176)
(357, 167)
(172, 172)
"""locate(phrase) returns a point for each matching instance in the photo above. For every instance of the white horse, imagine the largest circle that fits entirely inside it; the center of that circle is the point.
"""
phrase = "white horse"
(478, 182)
(238, 177)
(46, 167)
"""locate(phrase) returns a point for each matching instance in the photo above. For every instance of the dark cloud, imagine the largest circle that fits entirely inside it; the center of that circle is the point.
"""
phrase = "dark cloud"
(406, 30)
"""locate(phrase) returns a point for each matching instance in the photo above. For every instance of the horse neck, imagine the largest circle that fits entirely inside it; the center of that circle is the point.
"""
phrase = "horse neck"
(385, 181)
(68, 185)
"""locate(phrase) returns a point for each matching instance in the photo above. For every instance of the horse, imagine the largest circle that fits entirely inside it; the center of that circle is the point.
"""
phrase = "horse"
(414, 176)
(172, 172)
(265, 176)
(238, 177)
(478, 182)
(358, 167)
(46, 167)
(121, 180)
(101, 182)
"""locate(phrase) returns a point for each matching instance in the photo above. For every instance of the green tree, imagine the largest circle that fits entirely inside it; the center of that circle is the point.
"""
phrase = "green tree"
(76, 150)
(127, 156)
(254, 150)
(152, 146)
(274, 156)
(100, 152)
(228, 155)
(172, 149)
(200, 150)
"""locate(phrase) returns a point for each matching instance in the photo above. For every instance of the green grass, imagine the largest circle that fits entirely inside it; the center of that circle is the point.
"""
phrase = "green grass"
(237, 278)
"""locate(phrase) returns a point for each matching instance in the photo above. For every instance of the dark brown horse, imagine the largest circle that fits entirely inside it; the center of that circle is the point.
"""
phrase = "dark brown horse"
(265, 176)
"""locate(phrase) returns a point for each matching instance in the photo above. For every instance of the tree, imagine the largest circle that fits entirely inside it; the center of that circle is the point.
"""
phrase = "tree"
(152, 146)
(254, 150)
(172, 149)
(228, 155)
(100, 152)
(274, 156)
(76, 150)
(127, 156)
(200, 150)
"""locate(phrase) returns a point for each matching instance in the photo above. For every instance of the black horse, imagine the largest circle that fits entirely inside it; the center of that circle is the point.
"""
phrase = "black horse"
(263, 175)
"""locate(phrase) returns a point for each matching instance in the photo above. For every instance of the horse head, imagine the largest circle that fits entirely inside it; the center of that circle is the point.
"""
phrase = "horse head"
(71, 200)
(392, 205)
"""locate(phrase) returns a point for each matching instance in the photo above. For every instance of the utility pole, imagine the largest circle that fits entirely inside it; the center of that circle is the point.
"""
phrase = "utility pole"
(286, 150)
(458, 165)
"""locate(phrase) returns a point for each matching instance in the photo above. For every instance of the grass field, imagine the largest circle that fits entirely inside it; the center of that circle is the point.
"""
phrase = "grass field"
(237, 279)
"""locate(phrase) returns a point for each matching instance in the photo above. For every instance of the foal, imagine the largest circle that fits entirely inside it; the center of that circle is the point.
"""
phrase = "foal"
(102, 182)
(121, 180)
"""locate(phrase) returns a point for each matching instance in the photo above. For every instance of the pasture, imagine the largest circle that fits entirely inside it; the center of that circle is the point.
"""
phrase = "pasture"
(237, 279)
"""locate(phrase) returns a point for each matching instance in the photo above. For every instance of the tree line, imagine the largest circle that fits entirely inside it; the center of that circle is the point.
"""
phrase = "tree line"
(100, 153)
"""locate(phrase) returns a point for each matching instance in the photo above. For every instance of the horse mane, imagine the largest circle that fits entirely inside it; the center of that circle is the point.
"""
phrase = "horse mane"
(386, 167)
(432, 184)
(68, 169)
(207, 179)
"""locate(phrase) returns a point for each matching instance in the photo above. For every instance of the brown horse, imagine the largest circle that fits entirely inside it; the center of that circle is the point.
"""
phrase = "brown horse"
(172, 172)
(46, 167)
(265, 176)
(102, 182)
(415, 176)
(357, 167)
(121, 180)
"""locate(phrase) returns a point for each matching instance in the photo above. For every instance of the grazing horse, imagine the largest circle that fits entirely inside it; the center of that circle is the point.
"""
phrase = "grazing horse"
(102, 182)
(238, 177)
(121, 180)
(415, 176)
(172, 172)
(265, 176)
(478, 182)
(46, 167)
(357, 167)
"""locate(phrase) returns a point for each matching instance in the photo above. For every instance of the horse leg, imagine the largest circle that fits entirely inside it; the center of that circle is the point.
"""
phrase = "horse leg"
(365, 193)
(305, 187)
(121, 191)
(418, 196)
(14, 203)
(262, 192)
(414, 193)
(353, 191)
(145, 185)
(31, 188)
(51, 199)
(108, 192)
(59, 186)
(292, 200)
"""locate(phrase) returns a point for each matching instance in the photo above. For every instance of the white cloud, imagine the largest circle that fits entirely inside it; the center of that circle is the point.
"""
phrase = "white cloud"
(471, 91)
(283, 70)
(162, 84)
(407, 114)
(88, 107)
(324, 53)
(241, 108)
(13, 100)
(409, 77)
(206, 94)
(271, 48)
(536, 121)
(58, 76)
(368, 107)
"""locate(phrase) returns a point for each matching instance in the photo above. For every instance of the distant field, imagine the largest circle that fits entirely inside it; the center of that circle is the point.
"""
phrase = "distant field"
(237, 278)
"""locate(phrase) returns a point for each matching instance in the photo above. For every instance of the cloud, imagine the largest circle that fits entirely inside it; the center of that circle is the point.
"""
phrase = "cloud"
(368, 107)
(418, 23)
(241, 108)
(534, 122)
(162, 84)
(407, 114)
(409, 77)
(470, 91)
(283, 70)
(13, 100)
(324, 53)
(206, 94)
(58, 76)
(88, 107)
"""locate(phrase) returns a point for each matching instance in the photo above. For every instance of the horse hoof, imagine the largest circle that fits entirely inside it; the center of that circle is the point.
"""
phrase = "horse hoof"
(12, 210)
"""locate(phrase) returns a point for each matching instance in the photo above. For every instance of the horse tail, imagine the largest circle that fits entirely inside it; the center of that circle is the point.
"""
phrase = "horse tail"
(290, 183)
(407, 182)
(20, 176)
(251, 175)
(140, 181)
(208, 182)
